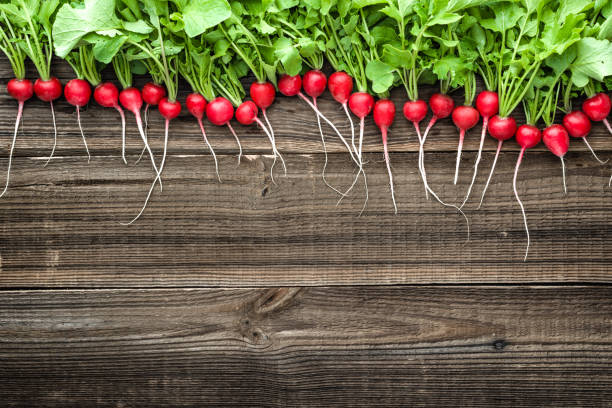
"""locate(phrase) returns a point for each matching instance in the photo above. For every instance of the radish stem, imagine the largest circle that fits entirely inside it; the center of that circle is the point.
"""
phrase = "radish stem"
(78, 110)
(518, 163)
(8, 172)
(499, 146)
(54, 135)
(212, 152)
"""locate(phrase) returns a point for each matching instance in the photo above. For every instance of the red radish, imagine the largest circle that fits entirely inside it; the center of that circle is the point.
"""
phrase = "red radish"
(77, 93)
(487, 104)
(340, 86)
(597, 108)
(415, 112)
(107, 95)
(131, 99)
(556, 138)
(246, 114)
(384, 113)
(196, 105)
(21, 90)
(501, 129)
(220, 112)
(465, 118)
(48, 91)
(263, 95)
(527, 136)
(152, 93)
(579, 125)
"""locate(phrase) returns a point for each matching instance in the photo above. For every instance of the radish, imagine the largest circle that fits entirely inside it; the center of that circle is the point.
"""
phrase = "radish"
(487, 104)
(415, 111)
(579, 125)
(597, 108)
(263, 95)
(502, 129)
(152, 93)
(384, 113)
(21, 90)
(527, 136)
(107, 95)
(196, 105)
(220, 112)
(246, 114)
(556, 139)
(77, 93)
(48, 91)
(465, 118)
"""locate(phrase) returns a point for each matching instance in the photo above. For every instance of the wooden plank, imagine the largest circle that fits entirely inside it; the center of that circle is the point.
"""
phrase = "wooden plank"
(315, 347)
(60, 225)
(294, 122)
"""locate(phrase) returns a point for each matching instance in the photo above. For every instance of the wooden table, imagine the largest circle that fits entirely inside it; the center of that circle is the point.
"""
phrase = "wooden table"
(250, 293)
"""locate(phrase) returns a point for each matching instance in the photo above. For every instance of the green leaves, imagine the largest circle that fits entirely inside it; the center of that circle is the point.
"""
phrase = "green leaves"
(73, 23)
(507, 16)
(200, 15)
(381, 76)
(593, 60)
(288, 55)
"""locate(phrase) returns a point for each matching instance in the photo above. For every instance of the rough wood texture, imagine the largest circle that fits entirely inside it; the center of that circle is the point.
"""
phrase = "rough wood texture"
(63, 224)
(360, 346)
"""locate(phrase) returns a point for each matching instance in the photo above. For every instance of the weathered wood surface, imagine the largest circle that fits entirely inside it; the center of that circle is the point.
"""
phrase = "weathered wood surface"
(294, 122)
(310, 347)
(62, 224)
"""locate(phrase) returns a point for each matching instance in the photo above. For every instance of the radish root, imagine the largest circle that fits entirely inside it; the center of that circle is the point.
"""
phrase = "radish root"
(605, 121)
(586, 142)
(485, 124)
(146, 143)
(388, 162)
(518, 163)
(10, 162)
(212, 151)
(78, 110)
(499, 146)
(314, 100)
(563, 171)
(274, 150)
(229, 125)
(459, 148)
(54, 135)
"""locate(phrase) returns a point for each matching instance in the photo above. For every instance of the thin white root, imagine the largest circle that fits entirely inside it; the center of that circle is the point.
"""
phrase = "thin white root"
(83, 134)
(212, 151)
(422, 150)
(499, 146)
(54, 136)
(146, 143)
(518, 163)
(273, 141)
(158, 176)
(563, 171)
(388, 162)
(10, 162)
(237, 141)
(123, 134)
(418, 132)
(277, 154)
(459, 148)
(605, 121)
(348, 115)
(586, 142)
(342, 138)
(314, 100)
(478, 157)
(146, 130)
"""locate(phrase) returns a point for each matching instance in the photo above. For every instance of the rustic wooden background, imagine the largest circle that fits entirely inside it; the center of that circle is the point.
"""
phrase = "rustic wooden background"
(250, 293)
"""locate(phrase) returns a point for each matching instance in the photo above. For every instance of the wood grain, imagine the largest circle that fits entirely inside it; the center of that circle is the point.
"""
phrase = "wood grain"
(61, 224)
(294, 123)
(314, 347)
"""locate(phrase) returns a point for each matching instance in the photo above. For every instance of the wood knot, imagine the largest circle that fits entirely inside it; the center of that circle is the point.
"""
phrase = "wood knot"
(499, 344)
(274, 299)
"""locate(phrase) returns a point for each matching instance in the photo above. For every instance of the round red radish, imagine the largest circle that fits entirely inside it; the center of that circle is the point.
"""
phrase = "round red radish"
(107, 95)
(77, 92)
(169, 109)
(597, 108)
(20, 89)
(441, 105)
(415, 111)
(314, 83)
(465, 117)
(556, 138)
(340, 86)
(219, 111)
(131, 99)
(196, 105)
(48, 90)
(528, 136)
(263, 94)
(502, 128)
(577, 124)
(362, 103)
(246, 113)
(153, 93)
(289, 85)
(487, 103)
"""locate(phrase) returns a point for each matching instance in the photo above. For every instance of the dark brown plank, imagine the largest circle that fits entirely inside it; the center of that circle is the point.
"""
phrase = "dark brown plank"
(293, 120)
(60, 224)
(314, 347)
